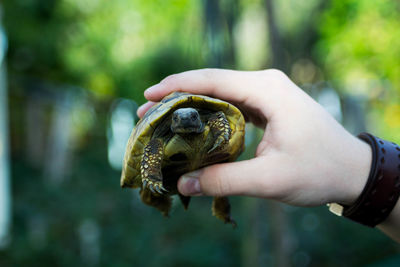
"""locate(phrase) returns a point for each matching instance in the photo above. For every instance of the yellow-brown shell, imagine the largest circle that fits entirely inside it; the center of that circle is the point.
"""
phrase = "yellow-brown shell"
(143, 131)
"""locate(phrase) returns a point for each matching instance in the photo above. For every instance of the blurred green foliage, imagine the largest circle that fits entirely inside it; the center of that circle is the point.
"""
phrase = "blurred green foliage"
(100, 50)
(110, 47)
(360, 50)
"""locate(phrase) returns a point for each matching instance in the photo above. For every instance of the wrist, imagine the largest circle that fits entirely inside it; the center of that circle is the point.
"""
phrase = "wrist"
(356, 176)
(382, 190)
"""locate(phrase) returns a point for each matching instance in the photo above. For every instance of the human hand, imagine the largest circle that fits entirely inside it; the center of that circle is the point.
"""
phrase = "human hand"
(304, 158)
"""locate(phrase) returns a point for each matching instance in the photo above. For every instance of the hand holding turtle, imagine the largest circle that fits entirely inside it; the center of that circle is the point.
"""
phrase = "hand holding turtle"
(305, 157)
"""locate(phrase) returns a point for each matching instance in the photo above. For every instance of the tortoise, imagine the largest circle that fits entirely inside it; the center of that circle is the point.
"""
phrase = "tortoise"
(182, 133)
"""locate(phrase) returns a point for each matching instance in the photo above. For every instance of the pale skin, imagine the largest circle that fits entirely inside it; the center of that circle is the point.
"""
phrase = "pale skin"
(305, 158)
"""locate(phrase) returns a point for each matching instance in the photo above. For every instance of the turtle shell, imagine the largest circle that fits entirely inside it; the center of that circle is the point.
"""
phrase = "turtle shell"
(145, 127)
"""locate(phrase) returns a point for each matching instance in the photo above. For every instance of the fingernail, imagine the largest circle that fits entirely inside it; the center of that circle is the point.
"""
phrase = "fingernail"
(139, 110)
(189, 184)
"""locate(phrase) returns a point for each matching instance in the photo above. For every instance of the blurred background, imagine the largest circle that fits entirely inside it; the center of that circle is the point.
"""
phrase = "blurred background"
(72, 75)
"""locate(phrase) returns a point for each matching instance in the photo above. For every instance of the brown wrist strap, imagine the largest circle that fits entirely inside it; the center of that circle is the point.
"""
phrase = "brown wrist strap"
(382, 190)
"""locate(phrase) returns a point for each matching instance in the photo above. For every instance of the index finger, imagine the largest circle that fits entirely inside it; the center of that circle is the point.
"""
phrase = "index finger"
(219, 83)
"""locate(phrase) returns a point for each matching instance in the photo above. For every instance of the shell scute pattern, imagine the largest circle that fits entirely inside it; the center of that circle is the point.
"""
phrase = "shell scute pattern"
(143, 131)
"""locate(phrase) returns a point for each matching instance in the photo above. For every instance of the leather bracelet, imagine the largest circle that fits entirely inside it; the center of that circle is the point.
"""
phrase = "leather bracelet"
(382, 189)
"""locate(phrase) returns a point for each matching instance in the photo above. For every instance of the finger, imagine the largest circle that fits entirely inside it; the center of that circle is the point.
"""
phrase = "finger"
(224, 84)
(236, 178)
(144, 108)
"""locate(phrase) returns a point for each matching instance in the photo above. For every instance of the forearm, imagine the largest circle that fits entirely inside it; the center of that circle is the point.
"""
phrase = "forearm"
(391, 226)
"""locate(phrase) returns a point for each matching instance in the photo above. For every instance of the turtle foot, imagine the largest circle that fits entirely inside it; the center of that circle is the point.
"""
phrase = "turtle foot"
(150, 167)
(221, 129)
(154, 186)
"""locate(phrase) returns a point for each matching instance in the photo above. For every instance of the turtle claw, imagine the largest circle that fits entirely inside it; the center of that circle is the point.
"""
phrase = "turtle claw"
(214, 147)
(158, 189)
(163, 188)
(221, 140)
(154, 187)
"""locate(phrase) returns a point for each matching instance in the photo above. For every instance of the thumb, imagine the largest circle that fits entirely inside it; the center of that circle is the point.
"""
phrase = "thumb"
(219, 180)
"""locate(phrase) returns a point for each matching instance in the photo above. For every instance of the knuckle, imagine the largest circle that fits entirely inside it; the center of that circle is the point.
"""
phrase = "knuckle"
(208, 73)
(221, 188)
(278, 72)
(275, 79)
(275, 75)
(215, 185)
(170, 80)
(224, 186)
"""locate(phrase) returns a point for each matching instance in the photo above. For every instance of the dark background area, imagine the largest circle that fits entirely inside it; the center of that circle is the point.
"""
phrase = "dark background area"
(73, 73)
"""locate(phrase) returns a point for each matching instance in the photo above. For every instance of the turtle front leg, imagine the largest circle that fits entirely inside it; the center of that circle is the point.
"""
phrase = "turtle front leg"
(220, 129)
(150, 166)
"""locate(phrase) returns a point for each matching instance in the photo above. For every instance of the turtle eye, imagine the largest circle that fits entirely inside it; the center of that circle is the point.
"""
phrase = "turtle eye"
(175, 119)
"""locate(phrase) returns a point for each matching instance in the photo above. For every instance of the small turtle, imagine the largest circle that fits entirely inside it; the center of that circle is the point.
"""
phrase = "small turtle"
(182, 133)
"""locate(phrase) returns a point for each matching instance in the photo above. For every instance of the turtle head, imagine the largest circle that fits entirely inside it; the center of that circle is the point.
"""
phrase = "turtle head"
(186, 120)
